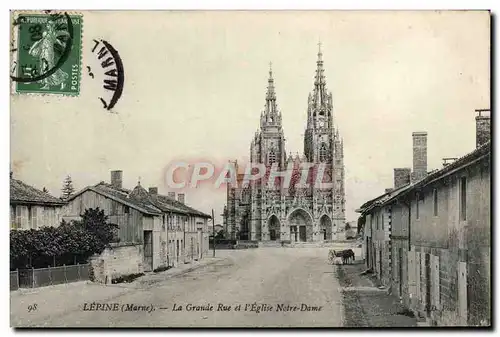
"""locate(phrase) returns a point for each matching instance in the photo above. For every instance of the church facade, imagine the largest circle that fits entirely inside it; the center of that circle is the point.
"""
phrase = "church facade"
(298, 212)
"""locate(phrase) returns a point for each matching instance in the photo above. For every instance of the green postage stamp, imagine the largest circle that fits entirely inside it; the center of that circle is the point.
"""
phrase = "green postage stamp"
(47, 49)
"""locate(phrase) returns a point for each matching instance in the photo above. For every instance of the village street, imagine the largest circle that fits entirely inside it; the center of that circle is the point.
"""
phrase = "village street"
(271, 276)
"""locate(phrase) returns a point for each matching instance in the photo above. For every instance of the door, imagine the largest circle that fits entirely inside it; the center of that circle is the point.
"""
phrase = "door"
(400, 255)
(462, 293)
(302, 233)
(368, 264)
(380, 263)
(293, 231)
(192, 248)
(324, 234)
(272, 234)
(200, 244)
(148, 250)
(177, 251)
(428, 283)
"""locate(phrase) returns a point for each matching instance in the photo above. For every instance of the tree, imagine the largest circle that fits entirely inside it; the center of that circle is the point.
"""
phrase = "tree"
(361, 224)
(67, 188)
(220, 235)
(347, 226)
(96, 223)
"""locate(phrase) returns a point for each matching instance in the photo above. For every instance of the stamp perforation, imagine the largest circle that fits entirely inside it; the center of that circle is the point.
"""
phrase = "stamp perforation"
(75, 54)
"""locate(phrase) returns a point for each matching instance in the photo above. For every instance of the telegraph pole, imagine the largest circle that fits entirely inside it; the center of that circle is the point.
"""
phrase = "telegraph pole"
(213, 230)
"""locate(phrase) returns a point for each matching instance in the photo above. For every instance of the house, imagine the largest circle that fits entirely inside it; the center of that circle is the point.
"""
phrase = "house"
(438, 254)
(187, 228)
(152, 229)
(31, 208)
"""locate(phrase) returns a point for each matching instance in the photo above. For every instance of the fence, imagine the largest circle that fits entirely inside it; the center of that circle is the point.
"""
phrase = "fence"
(33, 278)
(14, 280)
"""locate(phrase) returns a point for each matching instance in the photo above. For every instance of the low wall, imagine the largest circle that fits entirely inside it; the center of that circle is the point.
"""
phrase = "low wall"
(117, 261)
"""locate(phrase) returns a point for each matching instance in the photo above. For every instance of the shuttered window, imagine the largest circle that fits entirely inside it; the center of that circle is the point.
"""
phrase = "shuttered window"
(463, 198)
(33, 211)
(435, 201)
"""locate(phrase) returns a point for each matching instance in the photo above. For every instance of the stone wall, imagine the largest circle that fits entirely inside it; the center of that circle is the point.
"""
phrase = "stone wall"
(117, 261)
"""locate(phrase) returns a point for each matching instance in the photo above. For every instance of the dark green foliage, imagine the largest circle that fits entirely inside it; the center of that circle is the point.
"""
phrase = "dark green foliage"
(163, 268)
(67, 244)
(220, 235)
(347, 226)
(126, 278)
(361, 224)
(67, 189)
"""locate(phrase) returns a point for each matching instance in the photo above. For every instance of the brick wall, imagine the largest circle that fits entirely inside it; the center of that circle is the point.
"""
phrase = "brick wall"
(401, 176)
(482, 130)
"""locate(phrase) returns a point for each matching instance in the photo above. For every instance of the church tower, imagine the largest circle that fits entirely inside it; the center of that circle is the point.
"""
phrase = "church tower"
(292, 214)
(319, 134)
(323, 144)
(268, 145)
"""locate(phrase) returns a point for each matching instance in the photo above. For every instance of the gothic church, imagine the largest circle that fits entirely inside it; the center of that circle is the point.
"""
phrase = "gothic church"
(306, 214)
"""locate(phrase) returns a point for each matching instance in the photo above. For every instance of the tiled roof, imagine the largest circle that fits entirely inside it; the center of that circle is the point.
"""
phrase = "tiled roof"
(128, 197)
(483, 150)
(170, 202)
(143, 201)
(22, 192)
(478, 153)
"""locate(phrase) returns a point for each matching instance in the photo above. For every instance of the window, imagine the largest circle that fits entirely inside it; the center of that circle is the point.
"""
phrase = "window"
(22, 221)
(272, 157)
(323, 153)
(114, 208)
(382, 219)
(417, 207)
(376, 221)
(463, 198)
(126, 210)
(33, 217)
(435, 201)
(245, 196)
(116, 234)
(13, 217)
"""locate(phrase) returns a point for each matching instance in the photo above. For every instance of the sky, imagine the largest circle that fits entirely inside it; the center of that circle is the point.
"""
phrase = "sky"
(195, 85)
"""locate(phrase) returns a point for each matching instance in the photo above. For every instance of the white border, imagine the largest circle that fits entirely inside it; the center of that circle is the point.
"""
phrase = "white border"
(185, 4)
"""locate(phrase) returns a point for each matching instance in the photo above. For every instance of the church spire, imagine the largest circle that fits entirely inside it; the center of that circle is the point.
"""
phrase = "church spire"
(271, 95)
(270, 115)
(320, 94)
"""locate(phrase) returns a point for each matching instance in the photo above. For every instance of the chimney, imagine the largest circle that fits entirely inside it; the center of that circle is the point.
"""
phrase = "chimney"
(181, 197)
(401, 176)
(419, 156)
(448, 161)
(482, 126)
(387, 190)
(116, 178)
(153, 190)
(171, 195)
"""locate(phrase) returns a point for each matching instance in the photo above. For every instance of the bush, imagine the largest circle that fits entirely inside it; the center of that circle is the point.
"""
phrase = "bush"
(126, 278)
(160, 269)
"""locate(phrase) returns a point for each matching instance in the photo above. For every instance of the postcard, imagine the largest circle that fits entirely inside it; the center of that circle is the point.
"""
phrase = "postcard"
(256, 169)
